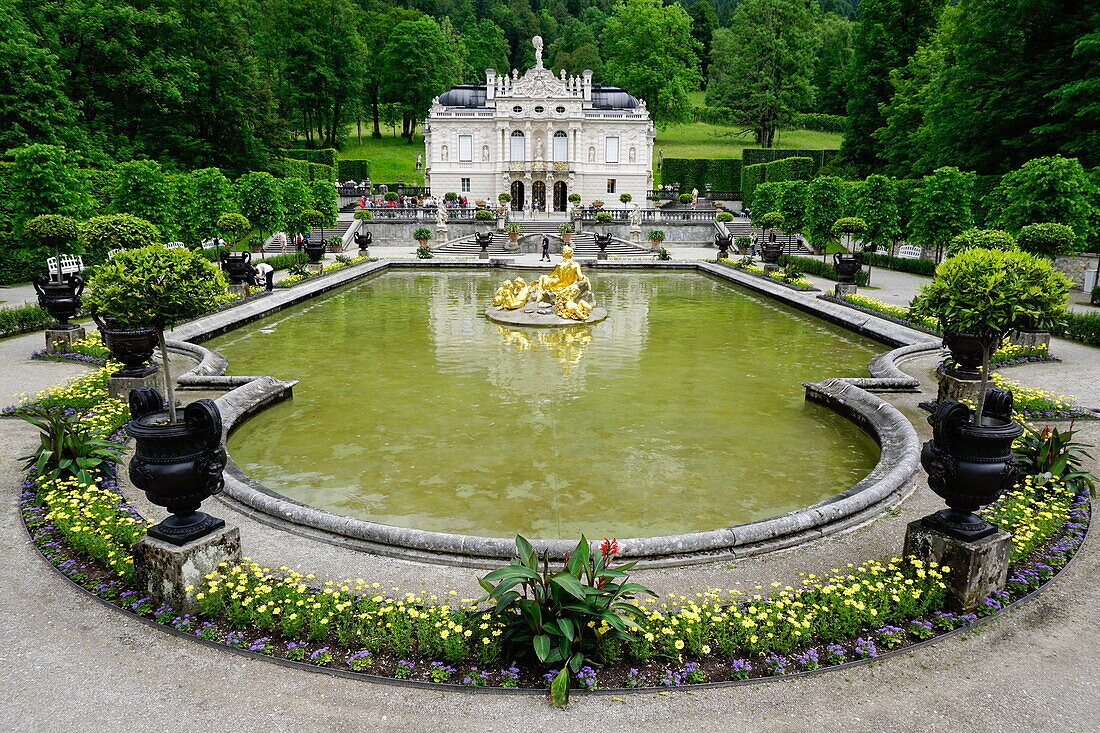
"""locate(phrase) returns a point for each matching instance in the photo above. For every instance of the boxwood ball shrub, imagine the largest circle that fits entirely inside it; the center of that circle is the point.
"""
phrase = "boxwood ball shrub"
(391, 196)
(100, 234)
(1047, 240)
(685, 198)
(484, 215)
(574, 198)
(450, 196)
(981, 239)
(625, 198)
(234, 226)
(771, 220)
(422, 234)
(363, 215)
(505, 198)
(724, 216)
(604, 217)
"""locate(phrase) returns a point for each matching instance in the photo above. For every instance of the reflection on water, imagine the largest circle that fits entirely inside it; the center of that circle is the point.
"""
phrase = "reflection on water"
(682, 411)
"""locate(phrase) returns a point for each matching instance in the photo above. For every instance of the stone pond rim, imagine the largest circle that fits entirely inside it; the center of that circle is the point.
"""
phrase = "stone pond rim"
(892, 478)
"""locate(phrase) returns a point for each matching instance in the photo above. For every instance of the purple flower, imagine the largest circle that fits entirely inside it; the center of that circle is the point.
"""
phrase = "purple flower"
(776, 664)
(322, 651)
(865, 648)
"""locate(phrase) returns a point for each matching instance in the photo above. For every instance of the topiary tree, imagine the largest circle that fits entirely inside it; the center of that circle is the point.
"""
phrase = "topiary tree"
(723, 216)
(685, 198)
(53, 231)
(791, 203)
(158, 287)
(981, 239)
(824, 205)
(875, 202)
(422, 234)
(42, 180)
(771, 220)
(260, 200)
(297, 198)
(201, 197)
(1053, 189)
(323, 199)
(989, 292)
(941, 207)
(574, 198)
(506, 198)
(1048, 239)
(625, 198)
(848, 227)
(101, 234)
(450, 196)
(234, 226)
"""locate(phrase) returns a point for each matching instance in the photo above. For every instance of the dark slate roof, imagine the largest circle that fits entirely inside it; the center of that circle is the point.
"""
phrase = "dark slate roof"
(473, 96)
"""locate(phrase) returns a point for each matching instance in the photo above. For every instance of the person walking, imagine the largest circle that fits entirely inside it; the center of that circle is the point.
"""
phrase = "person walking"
(545, 247)
(267, 272)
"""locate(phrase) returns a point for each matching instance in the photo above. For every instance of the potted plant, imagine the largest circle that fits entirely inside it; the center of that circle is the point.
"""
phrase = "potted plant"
(566, 231)
(772, 249)
(504, 199)
(978, 296)
(513, 231)
(574, 198)
(424, 252)
(742, 244)
(597, 204)
(58, 295)
(335, 243)
(422, 235)
(625, 198)
(484, 215)
(656, 236)
(177, 463)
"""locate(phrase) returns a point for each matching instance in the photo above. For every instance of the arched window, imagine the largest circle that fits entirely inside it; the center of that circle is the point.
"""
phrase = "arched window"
(561, 147)
(517, 150)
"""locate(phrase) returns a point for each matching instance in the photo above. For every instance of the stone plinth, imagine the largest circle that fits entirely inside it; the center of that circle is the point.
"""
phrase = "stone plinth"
(601, 255)
(953, 388)
(978, 567)
(237, 290)
(59, 341)
(842, 289)
(636, 234)
(364, 252)
(119, 387)
(315, 268)
(1030, 338)
(532, 315)
(165, 571)
(770, 267)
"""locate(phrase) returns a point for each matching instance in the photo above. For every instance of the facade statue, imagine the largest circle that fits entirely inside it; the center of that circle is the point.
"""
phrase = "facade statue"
(441, 217)
(636, 216)
(537, 43)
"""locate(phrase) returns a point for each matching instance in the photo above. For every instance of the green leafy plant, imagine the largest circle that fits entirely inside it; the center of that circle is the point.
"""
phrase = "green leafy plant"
(656, 235)
(574, 198)
(663, 254)
(53, 231)
(565, 228)
(1048, 240)
(723, 216)
(989, 292)
(363, 215)
(512, 228)
(742, 243)
(67, 447)
(981, 239)
(771, 220)
(547, 612)
(157, 287)
(597, 204)
(422, 234)
(391, 196)
(1051, 453)
(424, 252)
(504, 198)
(234, 226)
(450, 196)
(625, 198)
(604, 217)
(484, 215)
(685, 198)
(101, 234)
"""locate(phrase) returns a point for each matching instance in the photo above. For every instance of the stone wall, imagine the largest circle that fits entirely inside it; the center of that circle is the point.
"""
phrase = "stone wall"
(1075, 267)
(677, 234)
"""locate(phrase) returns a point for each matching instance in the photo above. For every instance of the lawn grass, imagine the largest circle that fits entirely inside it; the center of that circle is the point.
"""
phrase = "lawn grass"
(393, 159)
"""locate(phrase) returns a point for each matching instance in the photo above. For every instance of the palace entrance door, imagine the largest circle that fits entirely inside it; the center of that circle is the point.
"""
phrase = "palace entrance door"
(559, 195)
(538, 196)
(517, 195)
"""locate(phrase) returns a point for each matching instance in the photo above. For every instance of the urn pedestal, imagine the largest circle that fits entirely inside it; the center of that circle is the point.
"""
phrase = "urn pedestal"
(841, 290)
(978, 567)
(165, 571)
(61, 341)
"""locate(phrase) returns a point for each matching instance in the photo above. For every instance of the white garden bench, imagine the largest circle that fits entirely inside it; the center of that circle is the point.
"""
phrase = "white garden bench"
(909, 252)
(112, 253)
(175, 245)
(70, 265)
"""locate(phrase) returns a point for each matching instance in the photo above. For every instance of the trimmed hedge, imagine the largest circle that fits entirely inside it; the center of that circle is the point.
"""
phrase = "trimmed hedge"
(322, 172)
(1083, 327)
(916, 267)
(324, 156)
(789, 169)
(356, 169)
(723, 174)
(23, 319)
(713, 115)
(22, 265)
(751, 177)
(293, 168)
(753, 156)
(820, 122)
(811, 266)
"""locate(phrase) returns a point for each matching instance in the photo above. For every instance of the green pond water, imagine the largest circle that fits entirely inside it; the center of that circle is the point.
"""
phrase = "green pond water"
(683, 411)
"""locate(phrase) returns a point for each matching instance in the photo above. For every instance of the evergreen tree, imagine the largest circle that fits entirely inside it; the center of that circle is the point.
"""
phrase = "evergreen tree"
(414, 79)
(888, 33)
(761, 67)
(834, 56)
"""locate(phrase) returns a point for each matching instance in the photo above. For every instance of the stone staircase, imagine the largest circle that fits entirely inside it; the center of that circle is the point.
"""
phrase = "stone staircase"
(791, 246)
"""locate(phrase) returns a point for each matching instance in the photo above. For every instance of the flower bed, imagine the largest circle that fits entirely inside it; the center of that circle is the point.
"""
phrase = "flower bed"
(355, 626)
(895, 313)
(1009, 354)
(290, 280)
(745, 265)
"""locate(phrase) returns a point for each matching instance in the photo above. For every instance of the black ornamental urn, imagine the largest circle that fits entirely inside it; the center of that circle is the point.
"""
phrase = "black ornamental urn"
(363, 241)
(771, 252)
(315, 251)
(177, 465)
(237, 266)
(968, 350)
(847, 266)
(970, 464)
(61, 299)
(131, 345)
(484, 239)
(602, 240)
(723, 243)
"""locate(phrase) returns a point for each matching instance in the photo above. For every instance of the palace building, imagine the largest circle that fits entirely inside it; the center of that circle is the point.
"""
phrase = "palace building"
(539, 137)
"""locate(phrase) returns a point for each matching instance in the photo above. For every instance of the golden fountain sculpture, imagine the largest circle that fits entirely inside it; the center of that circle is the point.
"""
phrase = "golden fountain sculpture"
(565, 288)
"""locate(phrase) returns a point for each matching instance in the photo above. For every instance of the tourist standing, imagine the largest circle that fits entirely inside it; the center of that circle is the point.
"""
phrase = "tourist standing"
(545, 248)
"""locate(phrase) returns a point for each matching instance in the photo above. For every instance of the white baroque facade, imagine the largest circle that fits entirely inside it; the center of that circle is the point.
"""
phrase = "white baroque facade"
(539, 137)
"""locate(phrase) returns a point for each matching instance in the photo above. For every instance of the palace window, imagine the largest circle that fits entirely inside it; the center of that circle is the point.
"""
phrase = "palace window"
(560, 110)
(465, 148)
(561, 147)
(611, 185)
(517, 108)
(464, 184)
(517, 148)
(539, 110)
(611, 150)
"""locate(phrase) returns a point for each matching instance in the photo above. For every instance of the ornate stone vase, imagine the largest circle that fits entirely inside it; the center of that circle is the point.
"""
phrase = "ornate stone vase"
(602, 240)
(484, 239)
(723, 243)
(315, 251)
(967, 351)
(177, 466)
(60, 299)
(132, 345)
(847, 266)
(771, 252)
(237, 266)
(363, 239)
(970, 465)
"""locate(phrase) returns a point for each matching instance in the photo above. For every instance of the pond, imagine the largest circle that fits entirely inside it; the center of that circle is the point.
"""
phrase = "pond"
(682, 412)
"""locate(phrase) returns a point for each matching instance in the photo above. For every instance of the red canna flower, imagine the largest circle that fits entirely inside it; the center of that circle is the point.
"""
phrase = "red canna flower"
(609, 548)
